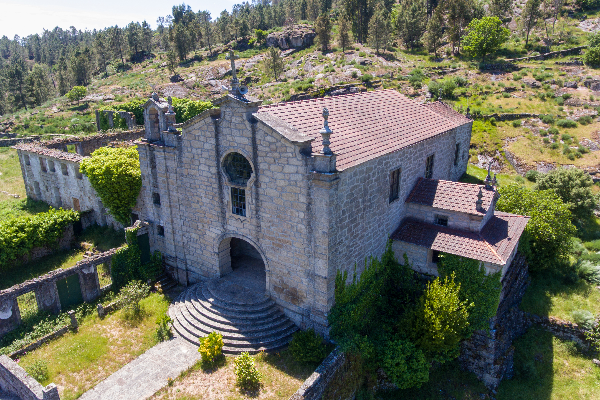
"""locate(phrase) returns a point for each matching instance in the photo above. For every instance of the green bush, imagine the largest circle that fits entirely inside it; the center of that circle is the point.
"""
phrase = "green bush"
(405, 365)
(553, 131)
(19, 235)
(516, 124)
(532, 175)
(115, 175)
(566, 123)
(246, 374)
(163, 329)
(566, 137)
(585, 120)
(416, 78)
(593, 245)
(592, 57)
(38, 370)
(547, 119)
(366, 78)
(588, 271)
(130, 296)
(126, 264)
(211, 348)
(307, 347)
(442, 89)
(584, 319)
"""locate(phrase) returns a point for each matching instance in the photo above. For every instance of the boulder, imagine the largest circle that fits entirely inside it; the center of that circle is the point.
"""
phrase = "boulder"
(297, 36)
(571, 85)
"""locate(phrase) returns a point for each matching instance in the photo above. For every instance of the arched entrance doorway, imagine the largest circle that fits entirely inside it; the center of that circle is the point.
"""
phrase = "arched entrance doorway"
(241, 263)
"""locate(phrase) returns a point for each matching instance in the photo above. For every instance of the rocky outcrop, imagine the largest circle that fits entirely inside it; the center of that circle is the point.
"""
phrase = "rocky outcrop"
(296, 37)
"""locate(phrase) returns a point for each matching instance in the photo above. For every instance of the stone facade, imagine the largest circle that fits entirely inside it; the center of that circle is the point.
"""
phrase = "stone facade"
(16, 382)
(305, 218)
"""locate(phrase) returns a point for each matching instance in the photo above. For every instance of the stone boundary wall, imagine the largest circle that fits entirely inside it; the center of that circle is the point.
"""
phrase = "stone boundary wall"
(32, 346)
(561, 329)
(509, 116)
(552, 54)
(16, 141)
(500, 67)
(15, 381)
(46, 292)
(63, 243)
(85, 145)
(129, 118)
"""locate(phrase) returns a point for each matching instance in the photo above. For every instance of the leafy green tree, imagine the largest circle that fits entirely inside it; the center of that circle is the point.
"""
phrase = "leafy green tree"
(273, 62)
(530, 16)
(180, 37)
(115, 175)
(574, 187)
(547, 236)
(64, 77)
(134, 36)
(409, 19)
(323, 29)
(484, 36)
(404, 364)
(343, 38)
(441, 319)
(102, 50)
(39, 86)
(379, 28)
(435, 31)
(147, 37)
(77, 93)
(459, 15)
(592, 57)
(476, 286)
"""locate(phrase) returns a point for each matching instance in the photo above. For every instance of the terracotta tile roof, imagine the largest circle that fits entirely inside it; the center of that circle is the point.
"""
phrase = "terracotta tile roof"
(447, 111)
(44, 151)
(449, 195)
(365, 125)
(493, 244)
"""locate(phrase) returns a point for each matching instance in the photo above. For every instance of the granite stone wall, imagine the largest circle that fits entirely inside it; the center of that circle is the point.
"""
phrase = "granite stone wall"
(15, 381)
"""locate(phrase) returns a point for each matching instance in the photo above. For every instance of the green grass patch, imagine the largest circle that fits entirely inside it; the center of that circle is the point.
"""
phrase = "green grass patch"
(477, 175)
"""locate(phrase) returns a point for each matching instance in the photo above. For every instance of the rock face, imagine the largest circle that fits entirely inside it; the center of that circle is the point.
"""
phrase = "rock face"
(298, 36)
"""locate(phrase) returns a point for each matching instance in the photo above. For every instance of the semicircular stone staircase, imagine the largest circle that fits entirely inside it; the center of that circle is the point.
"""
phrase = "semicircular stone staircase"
(248, 320)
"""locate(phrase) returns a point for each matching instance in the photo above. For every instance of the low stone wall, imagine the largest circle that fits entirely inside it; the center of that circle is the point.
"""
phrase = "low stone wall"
(46, 291)
(500, 67)
(16, 141)
(127, 116)
(552, 54)
(561, 329)
(15, 381)
(509, 116)
(63, 243)
(85, 145)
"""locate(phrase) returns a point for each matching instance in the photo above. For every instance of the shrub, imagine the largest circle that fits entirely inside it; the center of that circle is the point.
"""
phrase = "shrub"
(592, 57)
(547, 119)
(115, 175)
(246, 374)
(442, 89)
(130, 296)
(585, 120)
(38, 370)
(532, 175)
(416, 78)
(516, 124)
(19, 235)
(553, 131)
(588, 271)
(584, 319)
(211, 348)
(566, 137)
(506, 95)
(163, 330)
(404, 364)
(307, 347)
(560, 101)
(566, 123)
(366, 78)
(77, 93)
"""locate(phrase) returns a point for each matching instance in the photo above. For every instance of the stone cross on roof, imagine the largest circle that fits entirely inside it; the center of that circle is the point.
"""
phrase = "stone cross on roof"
(235, 83)
(326, 133)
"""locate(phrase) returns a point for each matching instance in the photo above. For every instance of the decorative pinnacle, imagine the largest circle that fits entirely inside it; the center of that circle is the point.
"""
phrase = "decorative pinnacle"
(479, 201)
(326, 133)
(488, 178)
(170, 101)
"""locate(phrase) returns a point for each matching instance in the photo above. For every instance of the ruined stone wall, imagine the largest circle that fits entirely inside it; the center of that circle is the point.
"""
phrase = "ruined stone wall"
(15, 381)
(363, 215)
(46, 292)
(85, 145)
(456, 220)
(53, 176)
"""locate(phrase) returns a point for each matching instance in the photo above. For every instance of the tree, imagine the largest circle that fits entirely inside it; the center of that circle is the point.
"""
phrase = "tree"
(501, 8)
(77, 93)
(547, 236)
(146, 37)
(172, 61)
(323, 29)
(273, 63)
(180, 37)
(134, 36)
(410, 21)
(117, 41)
(574, 187)
(529, 17)
(435, 31)
(39, 86)
(101, 47)
(441, 319)
(16, 77)
(404, 364)
(459, 14)
(206, 27)
(64, 78)
(484, 36)
(343, 38)
(81, 66)
(379, 28)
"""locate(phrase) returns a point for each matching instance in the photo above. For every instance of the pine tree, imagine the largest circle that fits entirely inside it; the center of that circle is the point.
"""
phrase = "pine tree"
(17, 75)
(379, 28)
(273, 63)
(410, 21)
(101, 49)
(134, 36)
(435, 31)
(323, 29)
(529, 17)
(117, 41)
(206, 27)
(81, 66)
(64, 79)
(501, 8)
(343, 38)
(38, 85)
(146, 37)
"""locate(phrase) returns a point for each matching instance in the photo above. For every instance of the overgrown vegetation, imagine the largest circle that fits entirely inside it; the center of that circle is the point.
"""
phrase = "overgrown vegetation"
(307, 347)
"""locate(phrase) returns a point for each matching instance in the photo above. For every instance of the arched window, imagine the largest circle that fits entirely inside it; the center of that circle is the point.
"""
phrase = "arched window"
(238, 169)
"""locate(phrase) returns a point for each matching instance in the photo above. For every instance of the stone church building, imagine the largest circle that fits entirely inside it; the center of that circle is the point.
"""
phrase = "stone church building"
(308, 188)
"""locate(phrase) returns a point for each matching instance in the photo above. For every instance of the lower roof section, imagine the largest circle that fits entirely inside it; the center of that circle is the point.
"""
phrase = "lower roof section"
(494, 244)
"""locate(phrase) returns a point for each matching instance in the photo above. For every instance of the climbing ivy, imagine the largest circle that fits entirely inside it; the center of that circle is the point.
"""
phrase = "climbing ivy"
(126, 264)
(115, 175)
(19, 235)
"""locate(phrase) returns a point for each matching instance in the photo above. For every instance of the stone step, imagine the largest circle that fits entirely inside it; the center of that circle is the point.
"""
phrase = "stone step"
(208, 308)
(252, 302)
(227, 306)
(233, 342)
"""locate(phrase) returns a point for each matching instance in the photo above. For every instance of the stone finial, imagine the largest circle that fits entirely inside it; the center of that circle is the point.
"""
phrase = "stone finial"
(495, 181)
(479, 202)
(488, 178)
(170, 116)
(154, 96)
(170, 101)
(326, 133)
(235, 83)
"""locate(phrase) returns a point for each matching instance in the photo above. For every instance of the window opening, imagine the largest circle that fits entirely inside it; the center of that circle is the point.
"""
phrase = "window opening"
(36, 189)
(237, 168)
(441, 220)
(43, 164)
(394, 184)
(76, 205)
(64, 169)
(456, 153)
(238, 201)
(28, 306)
(51, 166)
(156, 199)
(429, 167)
(160, 230)
(435, 256)
(27, 162)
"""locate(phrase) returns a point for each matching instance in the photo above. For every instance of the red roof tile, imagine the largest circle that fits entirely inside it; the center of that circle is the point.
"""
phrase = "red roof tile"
(452, 196)
(494, 244)
(447, 111)
(44, 151)
(365, 125)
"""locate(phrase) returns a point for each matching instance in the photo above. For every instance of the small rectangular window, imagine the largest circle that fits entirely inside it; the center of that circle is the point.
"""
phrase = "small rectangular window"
(134, 217)
(456, 153)
(160, 230)
(64, 169)
(27, 161)
(156, 199)
(238, 201)
(435, 256)
(76, 206)
(441, 220)
(51, 166)
(394, 184)
(429, 167)
(78, 174)
(43, 164)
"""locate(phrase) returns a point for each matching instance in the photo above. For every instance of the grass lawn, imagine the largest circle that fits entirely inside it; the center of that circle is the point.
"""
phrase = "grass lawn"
(282, 376)
(477, 175)
(78, 361)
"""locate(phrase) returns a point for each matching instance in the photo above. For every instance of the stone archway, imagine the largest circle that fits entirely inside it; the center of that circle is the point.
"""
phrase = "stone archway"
(241, 262)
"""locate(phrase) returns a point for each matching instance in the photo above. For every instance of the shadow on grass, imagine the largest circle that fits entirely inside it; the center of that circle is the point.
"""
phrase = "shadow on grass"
(102, 238)
(534, 372)
(283, 361)
(210, 367)
(589, 229)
